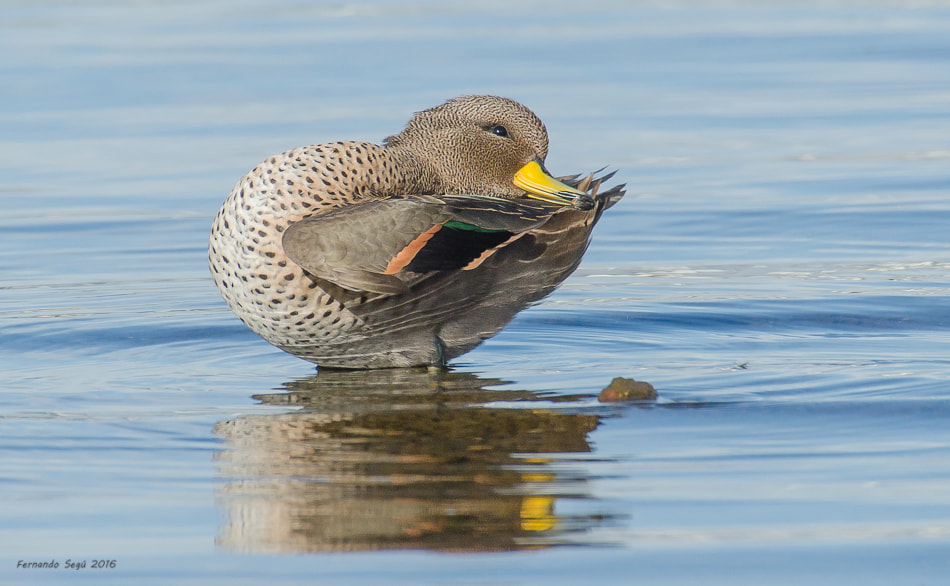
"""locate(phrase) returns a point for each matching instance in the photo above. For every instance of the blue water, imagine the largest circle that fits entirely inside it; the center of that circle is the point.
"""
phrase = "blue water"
(778, 270)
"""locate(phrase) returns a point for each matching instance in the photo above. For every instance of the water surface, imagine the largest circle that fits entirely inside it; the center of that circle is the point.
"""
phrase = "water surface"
(778, 271)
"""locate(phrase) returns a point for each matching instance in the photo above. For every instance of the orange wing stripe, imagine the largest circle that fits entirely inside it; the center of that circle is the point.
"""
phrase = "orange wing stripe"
(408, 253)
(474, 264)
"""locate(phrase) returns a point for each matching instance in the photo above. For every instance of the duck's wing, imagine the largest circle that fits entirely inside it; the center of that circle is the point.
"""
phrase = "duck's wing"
(469, 305)
(591, 184)
(384, 246)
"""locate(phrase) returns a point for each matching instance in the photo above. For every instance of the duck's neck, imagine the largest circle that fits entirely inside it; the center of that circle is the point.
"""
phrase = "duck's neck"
(409, 174)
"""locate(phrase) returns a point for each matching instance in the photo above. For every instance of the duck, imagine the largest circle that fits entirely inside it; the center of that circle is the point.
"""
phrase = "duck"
(356, 255)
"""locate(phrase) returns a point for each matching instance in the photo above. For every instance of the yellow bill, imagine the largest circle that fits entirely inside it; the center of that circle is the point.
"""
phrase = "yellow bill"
(540, 185)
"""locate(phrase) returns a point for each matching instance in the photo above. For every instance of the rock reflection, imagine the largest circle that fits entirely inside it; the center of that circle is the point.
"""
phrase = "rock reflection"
(401, 459)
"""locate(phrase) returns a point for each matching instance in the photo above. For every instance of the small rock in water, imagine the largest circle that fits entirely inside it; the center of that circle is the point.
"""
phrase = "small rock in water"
(626, 389)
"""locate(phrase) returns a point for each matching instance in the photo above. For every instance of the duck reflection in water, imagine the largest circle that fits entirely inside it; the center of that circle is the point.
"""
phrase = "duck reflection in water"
(402, 458)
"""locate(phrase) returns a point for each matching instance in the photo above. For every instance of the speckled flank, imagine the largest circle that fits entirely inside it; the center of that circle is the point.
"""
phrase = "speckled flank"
(270, 293)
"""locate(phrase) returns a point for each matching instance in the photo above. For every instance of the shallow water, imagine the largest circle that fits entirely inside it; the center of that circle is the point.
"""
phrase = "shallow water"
(778, 271)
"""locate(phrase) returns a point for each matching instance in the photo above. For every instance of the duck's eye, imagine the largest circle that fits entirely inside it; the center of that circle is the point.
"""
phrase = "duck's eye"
(499, 130)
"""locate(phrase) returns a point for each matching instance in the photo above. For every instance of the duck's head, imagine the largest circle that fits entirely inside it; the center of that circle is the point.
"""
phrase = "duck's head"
(486, 145)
